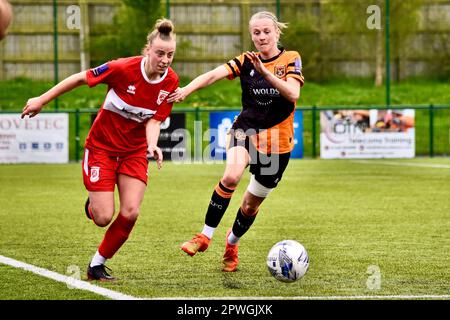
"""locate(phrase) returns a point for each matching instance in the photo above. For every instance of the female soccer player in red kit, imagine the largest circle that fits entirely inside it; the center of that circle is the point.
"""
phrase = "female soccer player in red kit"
(124, 132)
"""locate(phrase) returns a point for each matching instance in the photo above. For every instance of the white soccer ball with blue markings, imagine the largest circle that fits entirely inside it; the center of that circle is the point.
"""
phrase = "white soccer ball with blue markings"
(288, 261)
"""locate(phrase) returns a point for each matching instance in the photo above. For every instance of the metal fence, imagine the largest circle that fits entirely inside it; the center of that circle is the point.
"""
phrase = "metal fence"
(211, 32)
(432, 128)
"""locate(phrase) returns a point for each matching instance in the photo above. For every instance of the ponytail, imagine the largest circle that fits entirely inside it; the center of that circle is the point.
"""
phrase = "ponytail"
(163, 29)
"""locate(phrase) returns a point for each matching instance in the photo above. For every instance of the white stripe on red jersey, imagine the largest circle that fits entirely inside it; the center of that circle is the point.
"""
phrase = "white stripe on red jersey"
(131, 100)
(115, 104)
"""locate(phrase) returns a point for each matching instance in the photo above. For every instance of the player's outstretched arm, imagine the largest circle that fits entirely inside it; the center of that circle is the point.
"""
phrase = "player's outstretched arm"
(35, 105)
(201, 81)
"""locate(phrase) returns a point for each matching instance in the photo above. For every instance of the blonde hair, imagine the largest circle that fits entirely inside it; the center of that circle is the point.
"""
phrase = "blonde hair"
(269, 15)
(163, 29)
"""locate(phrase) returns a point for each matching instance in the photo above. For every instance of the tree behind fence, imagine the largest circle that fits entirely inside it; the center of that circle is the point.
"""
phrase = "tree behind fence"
(332, 36)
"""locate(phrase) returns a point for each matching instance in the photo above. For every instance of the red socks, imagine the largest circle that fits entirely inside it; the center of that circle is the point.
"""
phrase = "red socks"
(115, 236)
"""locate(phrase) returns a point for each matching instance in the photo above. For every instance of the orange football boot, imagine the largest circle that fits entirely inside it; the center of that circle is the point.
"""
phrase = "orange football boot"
(197, 244)
(230, 258)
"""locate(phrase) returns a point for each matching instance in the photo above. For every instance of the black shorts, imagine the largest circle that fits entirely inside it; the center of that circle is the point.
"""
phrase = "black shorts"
(267, 168)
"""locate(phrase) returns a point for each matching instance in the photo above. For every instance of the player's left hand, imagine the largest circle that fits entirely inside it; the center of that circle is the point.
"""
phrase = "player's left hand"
(155, 153)
(257, 63)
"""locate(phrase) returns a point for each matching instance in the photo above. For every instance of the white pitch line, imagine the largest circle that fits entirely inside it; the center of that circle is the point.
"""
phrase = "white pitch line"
(385, 297)
(404, 164)
(83, 285)
(70, 281)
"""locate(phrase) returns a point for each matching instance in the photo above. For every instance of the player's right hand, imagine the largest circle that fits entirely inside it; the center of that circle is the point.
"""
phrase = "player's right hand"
(177, 96)
(32, 108)
(155, 153)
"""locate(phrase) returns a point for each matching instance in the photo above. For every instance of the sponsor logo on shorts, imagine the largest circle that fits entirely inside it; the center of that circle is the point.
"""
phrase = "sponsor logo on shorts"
(240, 135)
(95, 174)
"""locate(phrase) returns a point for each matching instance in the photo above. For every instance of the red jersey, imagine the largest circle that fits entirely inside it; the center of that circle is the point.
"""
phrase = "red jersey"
(132, 100)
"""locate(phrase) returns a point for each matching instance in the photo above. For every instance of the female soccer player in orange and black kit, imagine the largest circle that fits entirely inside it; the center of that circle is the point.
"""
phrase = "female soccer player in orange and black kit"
(126, 128)
(262, 136)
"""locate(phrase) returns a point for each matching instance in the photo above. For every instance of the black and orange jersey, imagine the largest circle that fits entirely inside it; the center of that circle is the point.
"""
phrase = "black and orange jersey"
(263, 107)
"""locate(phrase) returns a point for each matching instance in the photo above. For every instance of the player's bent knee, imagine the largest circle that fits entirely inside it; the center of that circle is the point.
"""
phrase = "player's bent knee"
(102, 217)
(257, 189)
(131, 213)
(102, 221)
(249, 210)
(230, 182)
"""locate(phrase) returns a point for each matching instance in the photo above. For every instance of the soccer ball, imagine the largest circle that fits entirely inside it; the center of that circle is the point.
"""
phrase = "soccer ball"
(287, 261)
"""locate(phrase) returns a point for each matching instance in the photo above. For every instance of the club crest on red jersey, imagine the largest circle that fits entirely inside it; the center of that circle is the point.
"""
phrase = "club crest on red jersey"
(161, 96)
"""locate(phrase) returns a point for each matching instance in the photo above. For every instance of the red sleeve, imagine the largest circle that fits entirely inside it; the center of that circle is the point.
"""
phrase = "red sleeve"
(102, 74)
(165, 108)
(163, 112)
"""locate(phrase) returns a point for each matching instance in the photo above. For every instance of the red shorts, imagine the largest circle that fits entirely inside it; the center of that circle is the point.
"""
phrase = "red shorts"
(100, 170)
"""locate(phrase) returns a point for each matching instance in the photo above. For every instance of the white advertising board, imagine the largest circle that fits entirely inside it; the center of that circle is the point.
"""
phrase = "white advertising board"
(347, 134)
(42, 139)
